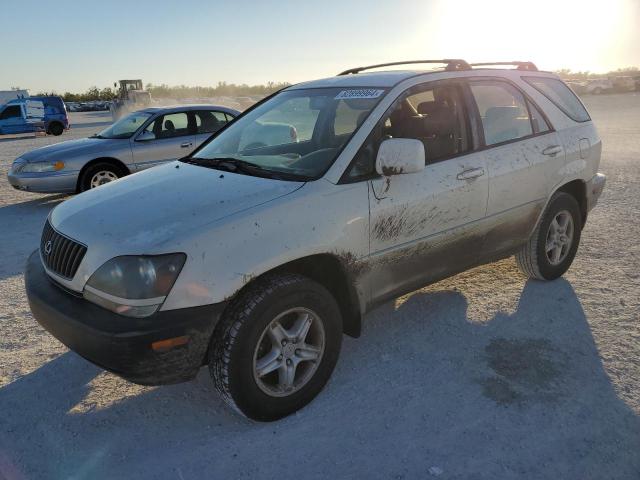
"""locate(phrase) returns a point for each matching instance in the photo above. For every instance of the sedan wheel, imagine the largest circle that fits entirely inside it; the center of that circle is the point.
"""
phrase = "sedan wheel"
(102, 177)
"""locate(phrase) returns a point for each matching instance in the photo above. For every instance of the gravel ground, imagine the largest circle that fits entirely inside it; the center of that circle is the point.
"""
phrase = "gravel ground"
(481, 376)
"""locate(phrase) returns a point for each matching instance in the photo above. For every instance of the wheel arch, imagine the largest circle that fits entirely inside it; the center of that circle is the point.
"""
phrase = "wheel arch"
(53, 122)
(114, 161)
(332, 273)
(577, 189)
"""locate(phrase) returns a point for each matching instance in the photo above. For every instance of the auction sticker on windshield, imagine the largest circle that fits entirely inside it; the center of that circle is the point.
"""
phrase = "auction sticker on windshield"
(359, 93)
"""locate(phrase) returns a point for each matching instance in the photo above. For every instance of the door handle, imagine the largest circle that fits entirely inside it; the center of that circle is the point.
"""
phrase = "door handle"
(186, 144)
(470, 173)
(552, 151)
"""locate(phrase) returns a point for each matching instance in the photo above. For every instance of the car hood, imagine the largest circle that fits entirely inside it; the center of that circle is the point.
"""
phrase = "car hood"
(145, 211)
(69, 148)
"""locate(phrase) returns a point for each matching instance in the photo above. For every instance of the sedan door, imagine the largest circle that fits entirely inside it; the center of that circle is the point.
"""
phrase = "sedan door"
(168, 137)
(428, 225)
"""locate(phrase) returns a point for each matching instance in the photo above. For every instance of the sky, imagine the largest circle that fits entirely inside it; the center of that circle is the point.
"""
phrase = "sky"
(71, 45)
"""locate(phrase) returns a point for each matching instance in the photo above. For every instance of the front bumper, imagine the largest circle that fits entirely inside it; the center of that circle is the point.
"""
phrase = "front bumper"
(44, 183)
(594, 190)
(121, 344)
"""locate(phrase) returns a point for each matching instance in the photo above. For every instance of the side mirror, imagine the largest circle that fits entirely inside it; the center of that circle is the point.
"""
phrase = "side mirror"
(400, 155)
(146, 136)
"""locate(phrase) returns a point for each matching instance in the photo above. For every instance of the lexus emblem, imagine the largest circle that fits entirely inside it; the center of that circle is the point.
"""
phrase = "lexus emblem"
(47, 247)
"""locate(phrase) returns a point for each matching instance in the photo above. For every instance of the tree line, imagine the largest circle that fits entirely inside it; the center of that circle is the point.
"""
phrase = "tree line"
(222, 89)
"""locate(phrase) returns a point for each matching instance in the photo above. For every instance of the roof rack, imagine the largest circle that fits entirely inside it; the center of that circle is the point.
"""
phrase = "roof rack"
(452, 64)
(530, 66)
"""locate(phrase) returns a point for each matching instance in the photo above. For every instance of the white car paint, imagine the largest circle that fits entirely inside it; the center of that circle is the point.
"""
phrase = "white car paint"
(235, 227)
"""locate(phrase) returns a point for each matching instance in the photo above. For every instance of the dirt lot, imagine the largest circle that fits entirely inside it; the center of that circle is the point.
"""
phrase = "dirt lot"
(482, 376)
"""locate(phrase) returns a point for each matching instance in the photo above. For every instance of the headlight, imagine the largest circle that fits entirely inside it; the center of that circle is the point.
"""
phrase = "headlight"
(18, 165)
(134, 286)
(40, 167)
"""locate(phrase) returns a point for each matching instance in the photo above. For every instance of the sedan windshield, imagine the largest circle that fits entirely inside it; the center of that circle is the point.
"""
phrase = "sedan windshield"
(126, 126)
(296, 134)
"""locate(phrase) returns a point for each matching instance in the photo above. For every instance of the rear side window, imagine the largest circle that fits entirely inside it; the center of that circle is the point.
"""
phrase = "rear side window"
(208, 121)
(538, 121)
(503, 111)
(561, 95)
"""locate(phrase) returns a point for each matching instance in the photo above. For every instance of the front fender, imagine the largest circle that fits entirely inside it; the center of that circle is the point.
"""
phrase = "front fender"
(319, 218)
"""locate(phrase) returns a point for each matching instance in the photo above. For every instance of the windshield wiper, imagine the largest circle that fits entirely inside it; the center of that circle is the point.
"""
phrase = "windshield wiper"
(96, 136)
(235, 165)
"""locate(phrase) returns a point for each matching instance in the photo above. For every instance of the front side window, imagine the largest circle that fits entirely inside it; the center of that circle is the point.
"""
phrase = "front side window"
(432, 113)
(125, 127)
(170, 125)
(503, 111)
(561, 95)
(296, 132)
(11, 112)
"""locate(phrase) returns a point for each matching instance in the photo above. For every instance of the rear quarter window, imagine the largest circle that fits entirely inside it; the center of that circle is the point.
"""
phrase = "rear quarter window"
(561, 96)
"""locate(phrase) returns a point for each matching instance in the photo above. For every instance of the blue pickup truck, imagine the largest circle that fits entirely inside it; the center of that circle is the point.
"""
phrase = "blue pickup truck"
(34, 114)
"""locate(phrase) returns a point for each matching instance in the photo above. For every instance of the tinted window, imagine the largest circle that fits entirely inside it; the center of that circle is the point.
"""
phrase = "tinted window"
(435, 115)
(561, 95)
(503, 111)
(208, 121)
(169, 126)
(11, 112)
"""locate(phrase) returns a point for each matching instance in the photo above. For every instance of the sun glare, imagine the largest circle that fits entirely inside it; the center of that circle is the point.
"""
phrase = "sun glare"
(575, 34)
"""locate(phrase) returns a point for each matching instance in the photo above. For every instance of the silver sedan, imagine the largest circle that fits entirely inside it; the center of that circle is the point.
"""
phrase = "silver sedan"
(140, 140)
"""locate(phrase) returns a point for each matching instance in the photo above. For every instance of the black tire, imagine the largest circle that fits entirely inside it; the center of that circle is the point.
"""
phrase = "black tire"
(532, 259)
(85, 179)
(231, 353)
(56, 128)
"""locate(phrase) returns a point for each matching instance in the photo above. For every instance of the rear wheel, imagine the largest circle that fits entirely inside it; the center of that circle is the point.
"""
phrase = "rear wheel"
(56, 128)
(99, 174)
(553, 245)
(276, 346)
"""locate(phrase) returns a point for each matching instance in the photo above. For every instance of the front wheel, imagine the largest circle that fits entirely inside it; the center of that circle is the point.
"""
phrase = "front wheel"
(276, 346)
(553, 245)
(99, 174)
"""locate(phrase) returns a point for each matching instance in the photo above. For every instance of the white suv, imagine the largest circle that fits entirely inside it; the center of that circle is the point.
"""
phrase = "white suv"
(257, 252)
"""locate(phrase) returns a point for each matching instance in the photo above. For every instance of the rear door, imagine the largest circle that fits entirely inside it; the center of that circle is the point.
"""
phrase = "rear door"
(209, 122)
(428, 225)
(523, 156)
(172, 137)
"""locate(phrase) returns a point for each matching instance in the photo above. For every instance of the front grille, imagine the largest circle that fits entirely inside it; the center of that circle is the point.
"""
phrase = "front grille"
(60, 254)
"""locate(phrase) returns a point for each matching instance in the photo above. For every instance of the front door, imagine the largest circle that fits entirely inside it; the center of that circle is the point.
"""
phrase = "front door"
(171, 136)
(428, 225)
(12, 120)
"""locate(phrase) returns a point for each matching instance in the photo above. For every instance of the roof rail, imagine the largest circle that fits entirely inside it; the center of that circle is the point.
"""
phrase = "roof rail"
(452, 64)
(530, 66)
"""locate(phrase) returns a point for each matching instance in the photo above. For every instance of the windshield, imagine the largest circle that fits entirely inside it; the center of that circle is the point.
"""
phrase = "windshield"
(298, 133)
(126, 126)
